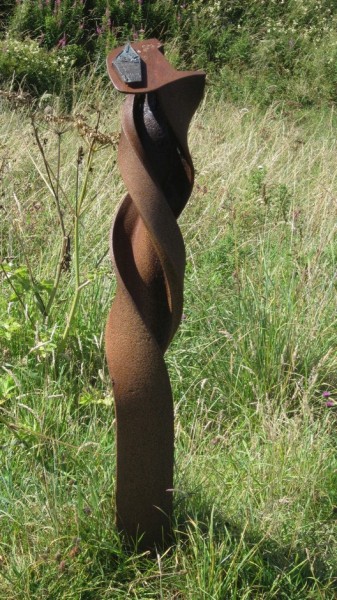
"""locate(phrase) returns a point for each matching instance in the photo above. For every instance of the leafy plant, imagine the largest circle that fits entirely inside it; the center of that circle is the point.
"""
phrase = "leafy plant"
(7, 387)
(36, 69)
(38, 298)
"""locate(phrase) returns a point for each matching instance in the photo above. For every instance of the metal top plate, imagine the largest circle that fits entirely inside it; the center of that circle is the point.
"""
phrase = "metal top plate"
(143, 68)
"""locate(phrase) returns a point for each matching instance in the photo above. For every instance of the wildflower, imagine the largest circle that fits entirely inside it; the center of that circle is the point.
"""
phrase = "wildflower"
(326, 394)
(62, 41)
(329, 404)
(58, 556)
(62, 566)
(75, 550)
(99, 30)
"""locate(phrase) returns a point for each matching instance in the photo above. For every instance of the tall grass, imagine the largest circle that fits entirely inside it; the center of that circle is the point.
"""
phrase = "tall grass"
(253, 369)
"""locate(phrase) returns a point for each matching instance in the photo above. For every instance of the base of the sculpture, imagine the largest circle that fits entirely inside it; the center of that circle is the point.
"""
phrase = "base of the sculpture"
(145, 427)
(150, 528)
(156, 538)
(144, 495)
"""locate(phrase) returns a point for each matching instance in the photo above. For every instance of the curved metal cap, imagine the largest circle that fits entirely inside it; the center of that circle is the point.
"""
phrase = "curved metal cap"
(142, 67)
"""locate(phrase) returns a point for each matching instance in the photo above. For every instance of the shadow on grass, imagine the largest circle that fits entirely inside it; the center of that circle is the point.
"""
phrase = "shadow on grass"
(257, 562)
(242, 563)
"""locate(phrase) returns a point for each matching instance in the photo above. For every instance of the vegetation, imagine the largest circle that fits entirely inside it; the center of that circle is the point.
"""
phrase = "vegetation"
(265, 50)
(253, 366)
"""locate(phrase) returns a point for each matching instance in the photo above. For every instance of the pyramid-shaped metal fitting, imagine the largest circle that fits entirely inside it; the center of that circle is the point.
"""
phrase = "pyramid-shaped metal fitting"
(128, 65)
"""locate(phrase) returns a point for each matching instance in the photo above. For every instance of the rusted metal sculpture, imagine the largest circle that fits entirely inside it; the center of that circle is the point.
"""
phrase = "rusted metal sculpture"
(149, 259)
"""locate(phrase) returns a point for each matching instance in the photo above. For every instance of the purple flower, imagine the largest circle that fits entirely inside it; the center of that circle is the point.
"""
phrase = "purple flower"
(62, 41)
(326, 394)
(329, 404)
(99, 30)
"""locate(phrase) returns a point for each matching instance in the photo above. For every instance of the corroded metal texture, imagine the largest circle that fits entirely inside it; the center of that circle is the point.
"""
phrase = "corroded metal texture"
(149, 259)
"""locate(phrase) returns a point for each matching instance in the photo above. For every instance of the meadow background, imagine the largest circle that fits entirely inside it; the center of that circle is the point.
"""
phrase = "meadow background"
(253, 365)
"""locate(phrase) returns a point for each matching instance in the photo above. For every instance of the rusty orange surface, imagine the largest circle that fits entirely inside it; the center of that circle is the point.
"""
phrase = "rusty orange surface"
(149, 259)
(157, 73)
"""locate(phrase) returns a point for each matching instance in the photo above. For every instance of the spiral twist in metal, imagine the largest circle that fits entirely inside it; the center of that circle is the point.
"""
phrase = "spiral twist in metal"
(149, 260)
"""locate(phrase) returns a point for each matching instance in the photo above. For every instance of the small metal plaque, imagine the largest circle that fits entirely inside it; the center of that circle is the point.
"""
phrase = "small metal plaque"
(129, 65)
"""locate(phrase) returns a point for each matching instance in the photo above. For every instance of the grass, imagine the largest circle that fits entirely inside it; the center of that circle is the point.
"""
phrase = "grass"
(256, 464)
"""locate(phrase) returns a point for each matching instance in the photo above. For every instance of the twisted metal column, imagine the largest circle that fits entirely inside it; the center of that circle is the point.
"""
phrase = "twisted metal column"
(149, 259)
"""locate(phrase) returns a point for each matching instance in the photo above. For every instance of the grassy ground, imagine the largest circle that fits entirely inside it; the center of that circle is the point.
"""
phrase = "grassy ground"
(253, 366)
